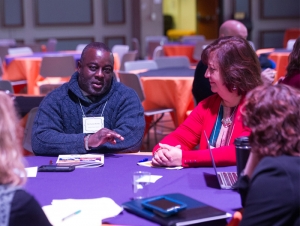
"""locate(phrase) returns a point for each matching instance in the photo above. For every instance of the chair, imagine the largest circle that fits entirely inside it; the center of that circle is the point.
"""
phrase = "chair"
(136, 47)
(192, 39)
(3, 52)
(35, 47)
(140, 64)
(128, 57)
(158, 52)
(57, 66)
(290, 44)
(28, 129)
(120, 50)
(55, 69)
(47, 88)
(20, 51)
(133, 81)
(173, 61)
(6, 86)
(252, 45)
(80, 47)
(51, 45)
(151, 42)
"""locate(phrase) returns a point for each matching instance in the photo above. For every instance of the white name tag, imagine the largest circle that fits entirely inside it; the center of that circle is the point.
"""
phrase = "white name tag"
(92, 124)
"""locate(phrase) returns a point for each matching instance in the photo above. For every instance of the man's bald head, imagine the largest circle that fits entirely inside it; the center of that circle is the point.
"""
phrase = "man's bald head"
(233, 28)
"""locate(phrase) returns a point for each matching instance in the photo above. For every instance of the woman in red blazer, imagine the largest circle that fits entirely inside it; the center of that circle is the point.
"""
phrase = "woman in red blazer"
(233, 70)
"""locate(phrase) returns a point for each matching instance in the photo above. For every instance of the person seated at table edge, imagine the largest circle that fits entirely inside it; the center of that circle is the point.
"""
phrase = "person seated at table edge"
(233, 70)
(292, 76)
(70, 118)
(270, 183)
(201, 87)
(17, 207)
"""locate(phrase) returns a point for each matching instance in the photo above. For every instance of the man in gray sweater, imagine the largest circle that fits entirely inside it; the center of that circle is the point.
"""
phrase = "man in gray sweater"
(91, 113)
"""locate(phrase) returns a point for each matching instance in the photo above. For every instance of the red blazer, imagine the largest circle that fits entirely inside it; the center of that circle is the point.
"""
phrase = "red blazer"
(191, 133)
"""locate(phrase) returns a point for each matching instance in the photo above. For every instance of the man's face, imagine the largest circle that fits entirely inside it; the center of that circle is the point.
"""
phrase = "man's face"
(95, 72)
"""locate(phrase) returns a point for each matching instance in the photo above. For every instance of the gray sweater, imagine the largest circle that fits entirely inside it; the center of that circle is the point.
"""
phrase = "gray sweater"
(58, 127)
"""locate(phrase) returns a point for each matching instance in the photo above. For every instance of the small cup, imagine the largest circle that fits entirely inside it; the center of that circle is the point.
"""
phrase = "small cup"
(140, 184)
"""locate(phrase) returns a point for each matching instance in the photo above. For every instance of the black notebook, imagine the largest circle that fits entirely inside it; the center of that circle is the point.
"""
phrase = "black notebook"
(196, 212)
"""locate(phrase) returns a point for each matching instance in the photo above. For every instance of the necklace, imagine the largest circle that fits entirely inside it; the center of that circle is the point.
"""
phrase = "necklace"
(228, 121)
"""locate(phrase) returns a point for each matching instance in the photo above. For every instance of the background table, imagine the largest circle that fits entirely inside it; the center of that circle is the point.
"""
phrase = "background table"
(28, 68)
(280, 57)
(169, 88)
(114, 180)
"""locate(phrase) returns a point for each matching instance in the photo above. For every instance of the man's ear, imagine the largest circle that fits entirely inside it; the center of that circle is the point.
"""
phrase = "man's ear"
(79, 66)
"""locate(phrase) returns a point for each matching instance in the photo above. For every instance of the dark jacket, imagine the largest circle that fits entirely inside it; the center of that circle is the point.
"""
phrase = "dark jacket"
(272, 197)
(58, 127)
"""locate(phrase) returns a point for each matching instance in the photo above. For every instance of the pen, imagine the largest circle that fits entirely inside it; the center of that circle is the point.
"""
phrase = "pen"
(72, 214)
(143, 160)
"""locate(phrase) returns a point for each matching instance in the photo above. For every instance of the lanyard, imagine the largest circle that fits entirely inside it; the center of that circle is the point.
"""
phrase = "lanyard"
(83, 115)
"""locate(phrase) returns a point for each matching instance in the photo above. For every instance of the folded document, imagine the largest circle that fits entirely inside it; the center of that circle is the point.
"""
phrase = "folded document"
(81, 211)
(81, 161)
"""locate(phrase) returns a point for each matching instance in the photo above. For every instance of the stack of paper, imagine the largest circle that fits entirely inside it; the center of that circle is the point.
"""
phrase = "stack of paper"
(84, 160)
(81, 211)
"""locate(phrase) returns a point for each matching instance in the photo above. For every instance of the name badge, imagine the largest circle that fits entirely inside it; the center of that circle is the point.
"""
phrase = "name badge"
(92, 124)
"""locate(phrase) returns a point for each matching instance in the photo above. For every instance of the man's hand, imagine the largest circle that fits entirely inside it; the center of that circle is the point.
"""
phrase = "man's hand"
(102, 136)
(167, 155)
(268, 76)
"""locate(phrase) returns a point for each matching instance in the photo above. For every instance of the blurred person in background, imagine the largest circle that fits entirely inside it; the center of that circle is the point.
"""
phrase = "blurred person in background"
(270, 183)
(292, 77)
(201, 88)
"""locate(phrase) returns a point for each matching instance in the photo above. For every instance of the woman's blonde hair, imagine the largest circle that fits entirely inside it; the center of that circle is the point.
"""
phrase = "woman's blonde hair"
(11, 165)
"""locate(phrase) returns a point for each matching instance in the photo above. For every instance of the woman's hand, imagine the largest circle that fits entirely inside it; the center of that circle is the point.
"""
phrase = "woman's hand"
(167, 155)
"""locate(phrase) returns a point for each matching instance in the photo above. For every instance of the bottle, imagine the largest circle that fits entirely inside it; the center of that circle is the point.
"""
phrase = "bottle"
(242, 148)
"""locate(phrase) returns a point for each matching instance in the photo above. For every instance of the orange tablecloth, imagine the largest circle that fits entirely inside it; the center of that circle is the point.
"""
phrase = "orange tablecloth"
(281, 60)
(180, 50)
(169, 92)
(22, 68)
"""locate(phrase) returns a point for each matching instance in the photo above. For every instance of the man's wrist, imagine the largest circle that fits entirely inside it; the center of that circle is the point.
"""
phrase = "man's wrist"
(86, 142)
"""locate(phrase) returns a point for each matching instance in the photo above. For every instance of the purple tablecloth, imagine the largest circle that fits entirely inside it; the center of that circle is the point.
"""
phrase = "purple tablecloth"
(42, 54)
(114, 180)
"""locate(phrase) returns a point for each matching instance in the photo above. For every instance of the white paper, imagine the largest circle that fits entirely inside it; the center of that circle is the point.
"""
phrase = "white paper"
(92, 211)
(150, 179)
(31, 171)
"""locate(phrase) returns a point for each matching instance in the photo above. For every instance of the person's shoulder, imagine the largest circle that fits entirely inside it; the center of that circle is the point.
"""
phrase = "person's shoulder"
(25, 210)
(283, 163)
(21, 198)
